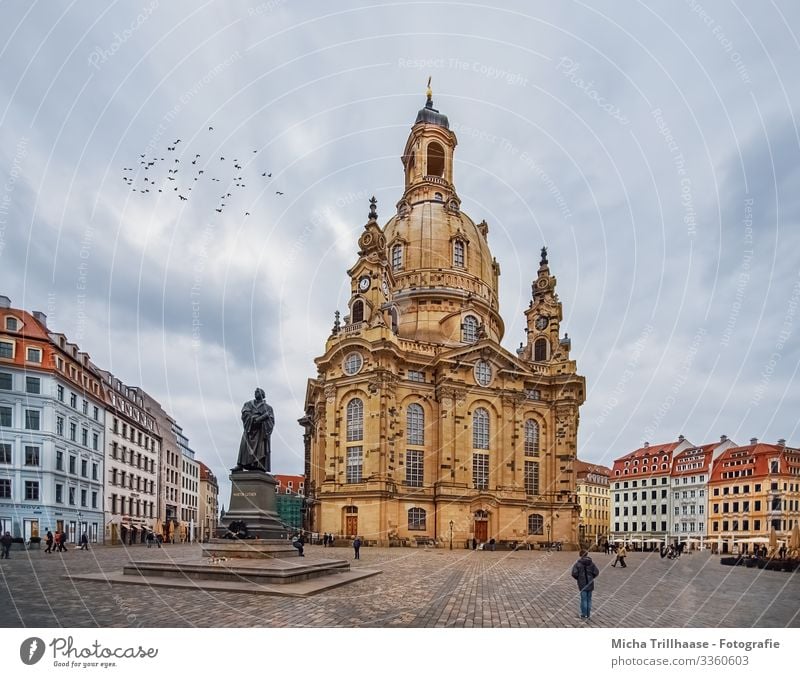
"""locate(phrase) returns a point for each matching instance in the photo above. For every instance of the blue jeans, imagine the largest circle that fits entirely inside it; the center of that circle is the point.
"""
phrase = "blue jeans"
(586, 603)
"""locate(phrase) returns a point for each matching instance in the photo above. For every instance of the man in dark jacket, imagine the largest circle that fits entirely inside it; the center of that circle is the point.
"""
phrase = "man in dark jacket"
(585, 571)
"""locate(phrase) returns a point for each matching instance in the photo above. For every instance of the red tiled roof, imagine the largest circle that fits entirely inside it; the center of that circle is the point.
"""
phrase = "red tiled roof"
(582, 468)
(750, 456)
(653, 451)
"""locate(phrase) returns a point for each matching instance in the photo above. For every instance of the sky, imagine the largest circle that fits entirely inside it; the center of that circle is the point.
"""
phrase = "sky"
(652, 147)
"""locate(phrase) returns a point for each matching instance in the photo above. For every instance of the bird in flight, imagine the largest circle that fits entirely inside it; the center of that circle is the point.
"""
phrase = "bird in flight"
(210, 129)
(182, 198)
(247, 213)
(176, 142)
(219, 210)
(277, 192)
(269, 176)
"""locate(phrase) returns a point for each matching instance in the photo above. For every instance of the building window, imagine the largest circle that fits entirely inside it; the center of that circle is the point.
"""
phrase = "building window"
(415, 424)
(458, 254)
(531, 438)
(355, 420)
(95, 441)
(540, 350)
(32, 419)
(534, 394)
(416, 376)
(31, 491)
(435, 166)
(480, 429)
(355, 464)
(12, 324)
(94, 500)
(357, 313)
(32, 456)
(483, 373)
(71, 491)
(84, 437)
(7, 349)
(416, 519)
(6, 381)
(84, 468)
(60, 426)
(480, 471)
(73, 400)
(33, 355)
(353, 363)
(73, 431)
(60, 393)
(414, 468)
(535, 525)
(397, 258)
(5, 453)
(60, 460)
(72, 461)
(5, 488)
(531, 478)
(59, 493)
(94, 471)
(469, 329)
(5, 417)
(33, 385)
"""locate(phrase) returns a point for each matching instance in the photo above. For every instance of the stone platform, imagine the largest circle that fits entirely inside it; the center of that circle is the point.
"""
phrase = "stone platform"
(256, 548)
(270, 576)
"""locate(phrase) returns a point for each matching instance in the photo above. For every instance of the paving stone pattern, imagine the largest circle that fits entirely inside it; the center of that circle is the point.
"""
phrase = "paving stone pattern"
(418, 588)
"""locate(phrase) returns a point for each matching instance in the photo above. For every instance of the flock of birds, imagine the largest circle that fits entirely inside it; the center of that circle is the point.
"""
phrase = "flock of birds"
(181, 176)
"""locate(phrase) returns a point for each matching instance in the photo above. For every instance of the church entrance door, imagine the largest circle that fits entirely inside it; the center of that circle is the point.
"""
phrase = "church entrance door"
(351, 525)
(481, 531)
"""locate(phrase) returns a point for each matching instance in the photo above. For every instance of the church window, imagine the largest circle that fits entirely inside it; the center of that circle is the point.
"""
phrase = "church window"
(355, 420)
(458, 254)
(540, 350)
(480, 429)
(353, 363)
(533, 394)
(414, 468)
(393, 316)
(415, 424)
(416, 519)
(531, 438)
(480, 471)
(535, 525)
(483, 372)
(438, 197)
(355, 464)
(435, 159)
(418, 376)
(469, 329)
(397, 258)
(531, 478)
(357, 314)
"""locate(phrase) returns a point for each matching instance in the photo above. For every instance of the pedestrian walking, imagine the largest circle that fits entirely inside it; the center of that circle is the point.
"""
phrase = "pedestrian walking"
(584, 571)
(622, 553)
(84, 541)
(48, 539)
(63, 543)
(357, 546)
(5, 541)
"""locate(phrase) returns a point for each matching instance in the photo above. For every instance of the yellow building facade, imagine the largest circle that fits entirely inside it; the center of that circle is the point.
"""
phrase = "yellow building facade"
(594, 499)
(419, 425)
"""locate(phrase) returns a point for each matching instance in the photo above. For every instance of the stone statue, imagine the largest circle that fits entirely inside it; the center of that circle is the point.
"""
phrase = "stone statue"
(258, 421)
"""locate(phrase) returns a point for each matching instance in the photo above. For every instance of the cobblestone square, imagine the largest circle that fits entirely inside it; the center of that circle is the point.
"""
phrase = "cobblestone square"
(418, 588)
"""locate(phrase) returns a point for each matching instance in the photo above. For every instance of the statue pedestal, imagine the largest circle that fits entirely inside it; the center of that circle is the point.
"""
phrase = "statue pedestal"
(254, 501)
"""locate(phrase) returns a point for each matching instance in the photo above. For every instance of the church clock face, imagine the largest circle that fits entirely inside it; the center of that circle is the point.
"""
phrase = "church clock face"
(363, 283)
(542, 322)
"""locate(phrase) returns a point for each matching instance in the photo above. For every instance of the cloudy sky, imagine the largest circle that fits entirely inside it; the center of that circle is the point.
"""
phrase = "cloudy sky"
(652, 147)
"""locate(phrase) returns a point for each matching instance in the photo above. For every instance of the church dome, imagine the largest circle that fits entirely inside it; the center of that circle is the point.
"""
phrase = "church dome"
(444, 275)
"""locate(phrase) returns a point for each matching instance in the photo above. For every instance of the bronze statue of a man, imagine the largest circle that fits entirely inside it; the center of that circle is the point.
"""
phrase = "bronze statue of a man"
(258, 421)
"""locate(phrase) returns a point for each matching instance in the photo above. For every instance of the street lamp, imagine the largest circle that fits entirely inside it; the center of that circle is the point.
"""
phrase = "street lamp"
(548, 535)
(451, 534)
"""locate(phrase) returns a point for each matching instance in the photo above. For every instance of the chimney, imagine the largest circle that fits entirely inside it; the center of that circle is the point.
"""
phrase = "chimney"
(782, 442)
(723, 438)
(681, 438)
(753, 440)
(5, 302)
(646, 444)
(40, 317)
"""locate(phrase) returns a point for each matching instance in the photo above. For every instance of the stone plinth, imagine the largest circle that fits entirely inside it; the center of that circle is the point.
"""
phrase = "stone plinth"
(255, 548)
(254, 502)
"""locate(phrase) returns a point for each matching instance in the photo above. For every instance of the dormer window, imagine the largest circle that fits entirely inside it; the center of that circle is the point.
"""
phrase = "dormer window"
(469, 329)
(12, 324)
(397, 258)
(458, 254)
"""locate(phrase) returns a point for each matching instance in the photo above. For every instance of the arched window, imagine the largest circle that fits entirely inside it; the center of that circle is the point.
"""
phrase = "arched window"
(416, 519)
(540, 350)
(531, 438)
(395, 322)
(469, 329)
(357, 313)
(438, 197)
(480, 429)
(355, 420)
(415, 424)
(397, 257)
(435, 159)
(458, 254)
(535, 524)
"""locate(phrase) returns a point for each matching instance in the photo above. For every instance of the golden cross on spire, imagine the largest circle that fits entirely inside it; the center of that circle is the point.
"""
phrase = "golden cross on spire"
(429, 92)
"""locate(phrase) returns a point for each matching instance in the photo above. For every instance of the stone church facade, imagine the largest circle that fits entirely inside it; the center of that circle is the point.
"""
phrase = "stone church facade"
(419, 424)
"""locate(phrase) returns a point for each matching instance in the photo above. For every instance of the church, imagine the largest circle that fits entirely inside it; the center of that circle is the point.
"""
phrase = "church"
(419, 426)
